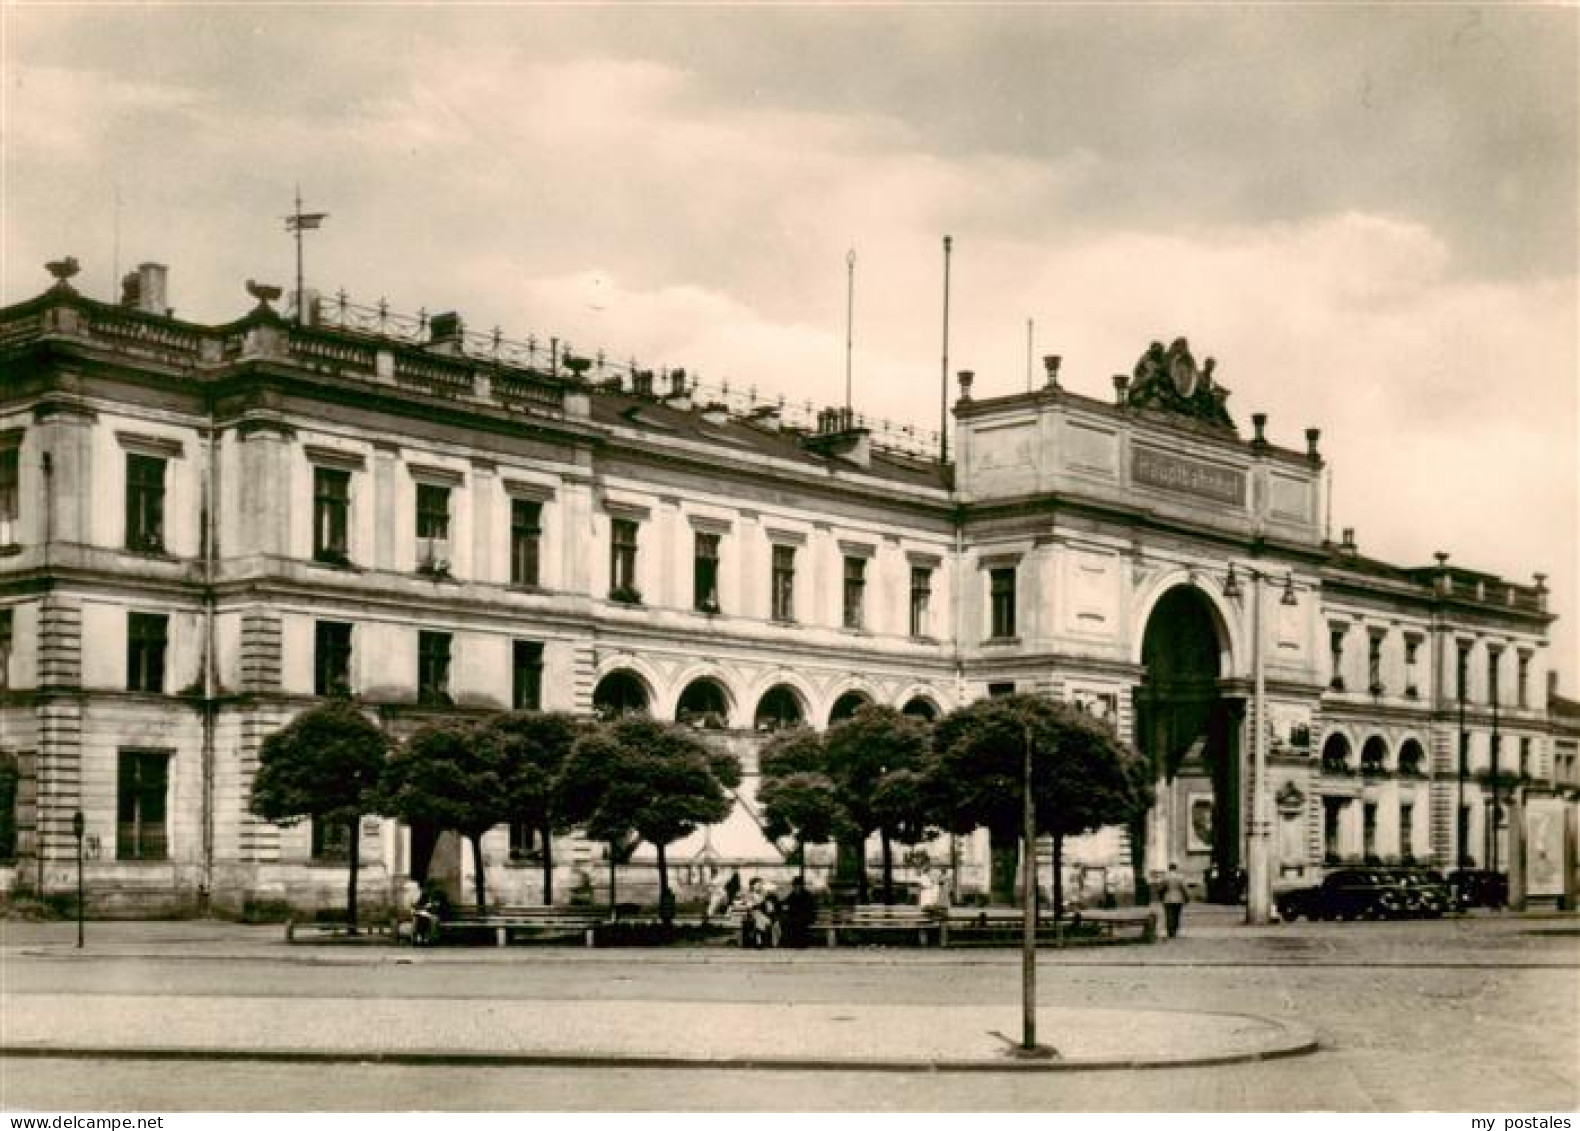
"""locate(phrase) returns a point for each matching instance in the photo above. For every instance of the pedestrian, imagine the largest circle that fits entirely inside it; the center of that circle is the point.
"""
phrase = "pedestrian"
(798, 915)
(732, 887)
(1175, 896)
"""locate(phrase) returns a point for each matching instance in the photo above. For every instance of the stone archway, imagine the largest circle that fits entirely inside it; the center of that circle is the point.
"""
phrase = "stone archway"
(1190, 731)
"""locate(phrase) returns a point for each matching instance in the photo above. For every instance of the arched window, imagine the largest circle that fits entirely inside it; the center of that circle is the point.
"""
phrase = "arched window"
(846, 706)
(620, 693)
(704, 705)
(1374, 757)
(920, 707)
(779, 707)
(1336, 755)
(1412, 759)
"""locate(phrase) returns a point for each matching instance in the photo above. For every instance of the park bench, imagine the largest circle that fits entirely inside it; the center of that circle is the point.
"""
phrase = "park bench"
(1003, 926)
(535, 924)
(882, 922)
(330, 926)
(1113, 922)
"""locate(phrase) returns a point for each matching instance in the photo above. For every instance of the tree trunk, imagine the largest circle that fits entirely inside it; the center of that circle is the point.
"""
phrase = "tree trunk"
(888, 867)
(802, 847)
(1138, 860)
(548, 866)
(1003, 856)
(1058, 876)
(614, 912)
(355, 847)
(859, 851)
(665, 907)
(479, 880)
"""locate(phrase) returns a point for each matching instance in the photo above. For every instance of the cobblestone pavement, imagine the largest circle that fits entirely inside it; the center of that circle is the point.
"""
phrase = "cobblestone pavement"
(1476, 1014)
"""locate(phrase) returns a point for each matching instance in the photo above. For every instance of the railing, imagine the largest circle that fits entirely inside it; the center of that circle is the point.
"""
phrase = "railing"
(144, 334)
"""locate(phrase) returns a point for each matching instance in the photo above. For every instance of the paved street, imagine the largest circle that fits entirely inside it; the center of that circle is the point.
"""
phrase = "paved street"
(1457, 1015)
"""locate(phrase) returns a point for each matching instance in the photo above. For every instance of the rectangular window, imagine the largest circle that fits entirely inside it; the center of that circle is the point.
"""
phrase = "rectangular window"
(1001, 599)
(143, 778)
(331, 841)
(1336, 657)
(1331, 808)
(146, 642)
(527, 675)
(10, 804)
(1523, 680)
(433, 669)
(6, 636)
(145, 502)
(784, 583)
(1462, 671)
(331, 658)
(1466, 858)
(1374, 643)
(855, 591)
(10, 494)
(526, 532)
(1412, 676)
(622, 560)
(996, 690)
(1494, 662)
(705, 573)
(1525, 757)
(1407, 829)
(921, 600)
(331, 515)
(433, 511)
(523, 842)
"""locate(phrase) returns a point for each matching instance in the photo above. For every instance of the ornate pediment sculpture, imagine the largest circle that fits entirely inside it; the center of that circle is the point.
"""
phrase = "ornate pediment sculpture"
(1169, 380)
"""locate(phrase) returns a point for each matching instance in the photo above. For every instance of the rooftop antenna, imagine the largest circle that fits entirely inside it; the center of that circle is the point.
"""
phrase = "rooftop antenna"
(1030, 325)
(943, 386)
(850, 308)
(115, 253)
(297, 223)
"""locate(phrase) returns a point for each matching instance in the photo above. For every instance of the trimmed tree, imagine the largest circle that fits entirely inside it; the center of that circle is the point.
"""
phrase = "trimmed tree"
(798, 798)
(451, 775)
(323, 765)
(1083, 777)
(877, 760)
(653, 780)
(535, 748)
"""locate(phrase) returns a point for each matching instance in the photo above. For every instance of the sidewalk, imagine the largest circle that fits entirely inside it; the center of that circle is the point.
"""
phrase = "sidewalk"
(515, 1030)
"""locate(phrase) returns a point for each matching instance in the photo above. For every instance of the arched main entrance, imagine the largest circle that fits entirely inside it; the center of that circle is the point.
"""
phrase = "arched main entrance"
(1190, 732)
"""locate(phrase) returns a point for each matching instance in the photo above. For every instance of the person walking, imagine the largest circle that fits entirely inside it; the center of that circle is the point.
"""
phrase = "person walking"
(1175, 896)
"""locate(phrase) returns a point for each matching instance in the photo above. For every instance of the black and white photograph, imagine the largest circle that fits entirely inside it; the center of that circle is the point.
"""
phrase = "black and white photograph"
(723, 558)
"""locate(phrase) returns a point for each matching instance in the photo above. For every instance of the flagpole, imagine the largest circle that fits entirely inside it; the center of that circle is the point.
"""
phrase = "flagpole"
(297, 216)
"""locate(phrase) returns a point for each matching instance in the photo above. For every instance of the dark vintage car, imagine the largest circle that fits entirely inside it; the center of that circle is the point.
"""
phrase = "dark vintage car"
(1427, 893)
(1477, 887)
(1347, 893)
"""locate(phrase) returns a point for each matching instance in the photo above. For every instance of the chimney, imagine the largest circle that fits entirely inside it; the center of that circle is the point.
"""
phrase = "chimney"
(152, 279)
(1051, 363)
(1259, 422)
(1121, 385)
(766, 417)
(1348, 545)
(444, 333)
(1312, 436)
(679, 395)
(642, 382)
(838, 434)
(967, 378)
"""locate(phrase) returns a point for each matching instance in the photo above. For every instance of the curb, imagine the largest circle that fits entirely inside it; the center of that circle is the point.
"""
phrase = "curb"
(1299, 1041)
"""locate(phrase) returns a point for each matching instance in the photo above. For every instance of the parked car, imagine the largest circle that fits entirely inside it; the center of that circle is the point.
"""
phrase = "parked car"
(1427, 893)
(1347, 893)
(1477, 887)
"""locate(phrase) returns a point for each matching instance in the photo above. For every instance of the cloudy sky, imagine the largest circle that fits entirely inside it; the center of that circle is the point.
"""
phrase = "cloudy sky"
(1368, 215)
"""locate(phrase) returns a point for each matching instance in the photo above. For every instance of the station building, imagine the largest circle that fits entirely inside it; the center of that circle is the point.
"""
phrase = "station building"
(206, 529)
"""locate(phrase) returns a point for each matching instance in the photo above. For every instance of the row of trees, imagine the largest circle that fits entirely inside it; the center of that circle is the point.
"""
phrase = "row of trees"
(620, 782)
(633, 779)
(903, 780)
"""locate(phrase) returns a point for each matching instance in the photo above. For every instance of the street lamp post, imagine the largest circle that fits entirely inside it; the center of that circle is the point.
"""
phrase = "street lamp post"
(76, 831)
(1028, 904)
(1258, 877)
